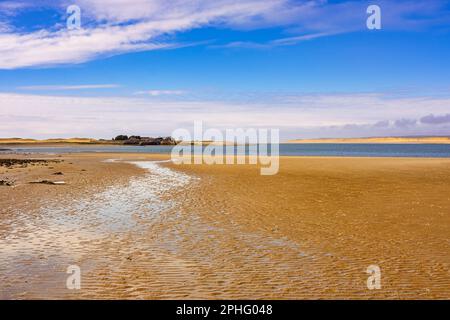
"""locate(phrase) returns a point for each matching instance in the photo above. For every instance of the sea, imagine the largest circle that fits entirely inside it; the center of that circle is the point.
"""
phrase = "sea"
(319, 150)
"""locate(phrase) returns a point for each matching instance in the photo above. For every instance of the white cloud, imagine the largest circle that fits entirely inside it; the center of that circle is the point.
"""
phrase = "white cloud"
(156, 93)
(296, 116)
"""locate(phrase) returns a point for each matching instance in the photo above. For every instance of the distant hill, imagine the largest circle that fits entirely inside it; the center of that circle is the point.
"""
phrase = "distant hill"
(121, 140)
(48, 141)
(393, 140)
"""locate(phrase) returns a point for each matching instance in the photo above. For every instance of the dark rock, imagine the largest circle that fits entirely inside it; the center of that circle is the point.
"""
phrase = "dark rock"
(145, 141)
(158, 141)
(168, 141)
(23, 163)
(121, 138)
(6, 183)
(149, 142)
(132, 142)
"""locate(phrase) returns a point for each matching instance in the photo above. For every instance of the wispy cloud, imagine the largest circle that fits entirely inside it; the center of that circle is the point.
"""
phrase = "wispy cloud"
(289, 41)
(69, 87)
(12, 7)
(294, 40)
(156, 93)
(46, 48)
(4, 27)
(123, 26)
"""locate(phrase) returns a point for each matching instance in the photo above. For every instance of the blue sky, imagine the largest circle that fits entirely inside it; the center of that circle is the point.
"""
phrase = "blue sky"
(309, 68)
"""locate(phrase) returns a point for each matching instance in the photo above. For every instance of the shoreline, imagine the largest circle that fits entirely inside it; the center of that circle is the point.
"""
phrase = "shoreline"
(167, 156)
(283, 150)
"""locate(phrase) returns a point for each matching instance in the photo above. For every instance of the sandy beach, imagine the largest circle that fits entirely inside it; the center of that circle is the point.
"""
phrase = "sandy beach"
(140, 227)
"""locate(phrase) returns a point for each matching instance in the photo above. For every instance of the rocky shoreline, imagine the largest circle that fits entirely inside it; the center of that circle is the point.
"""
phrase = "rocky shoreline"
(23, 163)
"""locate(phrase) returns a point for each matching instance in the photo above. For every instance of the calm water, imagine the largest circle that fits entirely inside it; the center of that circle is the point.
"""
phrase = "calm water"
(344, 150)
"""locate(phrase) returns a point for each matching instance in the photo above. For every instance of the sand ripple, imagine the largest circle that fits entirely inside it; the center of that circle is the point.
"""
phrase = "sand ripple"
(170, 235)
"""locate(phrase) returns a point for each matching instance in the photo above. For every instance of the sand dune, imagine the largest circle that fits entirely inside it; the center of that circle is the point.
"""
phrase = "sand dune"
(47, 141)
(424, 140)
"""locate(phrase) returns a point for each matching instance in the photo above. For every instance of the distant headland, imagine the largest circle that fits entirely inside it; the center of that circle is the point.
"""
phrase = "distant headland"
(149, 141)
(387, 140)
(118, 140)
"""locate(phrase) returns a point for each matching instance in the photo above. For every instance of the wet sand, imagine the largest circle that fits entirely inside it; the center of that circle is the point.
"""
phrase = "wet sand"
(210, 232)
